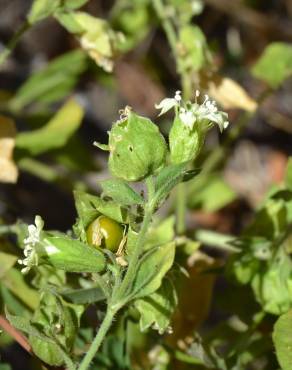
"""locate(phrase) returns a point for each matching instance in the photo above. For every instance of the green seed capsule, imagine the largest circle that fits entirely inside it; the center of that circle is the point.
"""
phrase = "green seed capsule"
(106, 233)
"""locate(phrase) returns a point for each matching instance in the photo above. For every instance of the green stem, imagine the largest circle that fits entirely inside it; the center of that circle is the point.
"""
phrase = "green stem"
(133, 263)
(118, 299)
(104, 328)
(13, 42)
(69, 363)
(130, 274)
(167, 26)
(181, 209)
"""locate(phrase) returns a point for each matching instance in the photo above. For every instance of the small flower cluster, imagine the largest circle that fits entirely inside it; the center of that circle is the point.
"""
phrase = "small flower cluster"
(192, 113)
(30, 253)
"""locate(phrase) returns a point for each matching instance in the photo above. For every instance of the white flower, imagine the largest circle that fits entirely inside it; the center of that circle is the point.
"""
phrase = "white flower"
(208, 111)
(34, 237)
(195, 113)
(168, 103)
(187, 117)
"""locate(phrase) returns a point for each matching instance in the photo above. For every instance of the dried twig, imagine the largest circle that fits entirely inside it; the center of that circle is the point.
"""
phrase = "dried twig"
(18, 337)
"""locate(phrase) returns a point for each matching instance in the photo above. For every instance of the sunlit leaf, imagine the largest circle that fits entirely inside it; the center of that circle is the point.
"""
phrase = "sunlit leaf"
(153, 266)
(94, 34)
(156, 309)
(52, 83)
(14, 281)
(55, 133)
(6, 262)
(275, 64)
(121, 192)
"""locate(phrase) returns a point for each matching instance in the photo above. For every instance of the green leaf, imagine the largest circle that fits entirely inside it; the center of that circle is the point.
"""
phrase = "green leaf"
(74, 4)
(160, 234)
(270, 220)
(137, 148)
(5, 367)
(42, 9)
(84, 296)
(282, 338)
(275, 64)
(15, 282)
(210, 193)
(52, 83)
(6, 262)
(156, 309)
(121, 192)
(25, 325)
(12, 303)
(169, 177)
(134, 20)
(58, 322)
(95, 36)
(152, 267)
(55, 133)
(272, 285)
(194, 50)
(38, 169)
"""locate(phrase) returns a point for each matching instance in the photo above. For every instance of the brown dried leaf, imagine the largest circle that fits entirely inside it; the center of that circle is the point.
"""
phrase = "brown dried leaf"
(230, 94)
(8, 169)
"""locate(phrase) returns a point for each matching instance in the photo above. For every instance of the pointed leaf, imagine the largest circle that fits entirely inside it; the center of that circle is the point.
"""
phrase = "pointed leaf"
(53, 82)
(121, 192)
(157, 308)
(153, 266)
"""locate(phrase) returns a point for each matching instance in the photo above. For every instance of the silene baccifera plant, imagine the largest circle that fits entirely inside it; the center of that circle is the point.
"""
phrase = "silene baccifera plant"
(110, 244)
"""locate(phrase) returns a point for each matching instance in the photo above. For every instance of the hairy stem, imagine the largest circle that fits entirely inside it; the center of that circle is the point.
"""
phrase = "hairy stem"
(104, 328)
(119, 298)
(13, 42)
(181, 209)
(130, 274)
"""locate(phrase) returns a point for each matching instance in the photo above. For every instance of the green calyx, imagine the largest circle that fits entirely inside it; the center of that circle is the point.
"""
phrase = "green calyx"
(137, 148)
(185, 143)
(59, 250)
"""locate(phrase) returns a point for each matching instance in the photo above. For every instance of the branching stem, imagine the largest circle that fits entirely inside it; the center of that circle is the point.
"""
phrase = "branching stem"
(13, 42)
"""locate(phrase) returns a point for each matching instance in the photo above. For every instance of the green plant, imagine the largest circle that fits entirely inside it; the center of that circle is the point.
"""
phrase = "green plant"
(128, 285)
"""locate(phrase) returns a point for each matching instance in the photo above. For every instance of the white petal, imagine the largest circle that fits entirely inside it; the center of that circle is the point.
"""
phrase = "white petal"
(39, 223)
(188, 118)
(166, 104)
